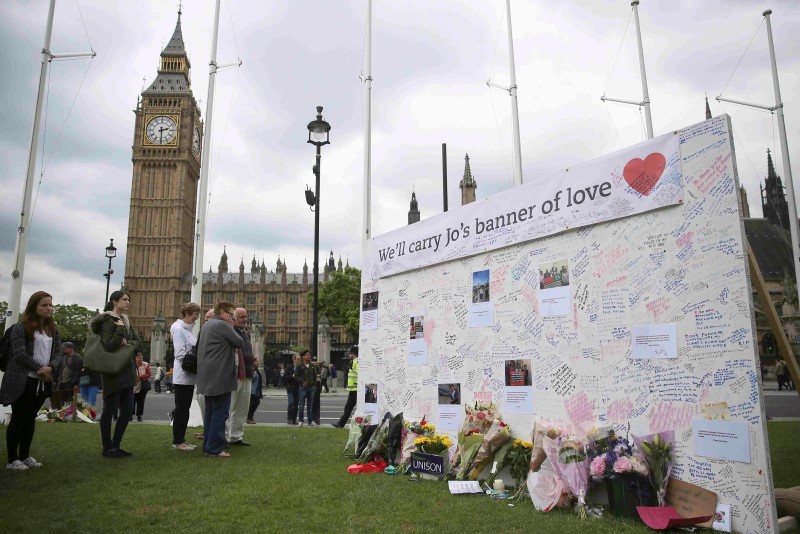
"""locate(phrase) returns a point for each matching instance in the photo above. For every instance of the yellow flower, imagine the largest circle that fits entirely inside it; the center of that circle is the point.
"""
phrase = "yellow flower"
(517, 442)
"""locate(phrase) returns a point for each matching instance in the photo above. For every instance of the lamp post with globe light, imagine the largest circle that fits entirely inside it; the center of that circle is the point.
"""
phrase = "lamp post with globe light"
(111, 253)
(318, 135)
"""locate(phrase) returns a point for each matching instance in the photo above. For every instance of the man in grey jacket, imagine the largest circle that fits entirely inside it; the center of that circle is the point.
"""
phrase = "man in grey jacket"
(216, 375)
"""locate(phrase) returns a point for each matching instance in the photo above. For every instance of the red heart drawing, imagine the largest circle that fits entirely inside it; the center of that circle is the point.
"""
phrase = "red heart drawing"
(642, 176)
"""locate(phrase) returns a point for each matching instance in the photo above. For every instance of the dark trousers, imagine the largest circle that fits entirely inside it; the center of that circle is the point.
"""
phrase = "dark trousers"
(157, 385)
(291, 410)
(19, 434)
(180, 415)
(315, 404)
(217, 408)
(122, 399)
(254, 402)
(352, 398)
(138, 399)
(325, 385)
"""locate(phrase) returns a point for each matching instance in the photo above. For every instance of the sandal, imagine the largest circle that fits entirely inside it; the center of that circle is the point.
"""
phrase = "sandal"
(223, 454)
(183, 447)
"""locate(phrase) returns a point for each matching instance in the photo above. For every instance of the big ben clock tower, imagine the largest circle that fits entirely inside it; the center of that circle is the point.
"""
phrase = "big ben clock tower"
(166, 167)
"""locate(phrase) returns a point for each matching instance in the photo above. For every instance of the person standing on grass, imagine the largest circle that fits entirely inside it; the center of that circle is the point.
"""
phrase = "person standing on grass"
(292, 390)
(114, 329)
(66, 374)
(35, 346)
(352, 388)
(142, 385)
(216, 375)
(183, 381)
(305, 374)
(240, 398)
(255, 393)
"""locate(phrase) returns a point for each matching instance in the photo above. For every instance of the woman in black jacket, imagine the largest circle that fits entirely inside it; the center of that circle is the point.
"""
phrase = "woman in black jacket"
(114, 329)
(35, 347)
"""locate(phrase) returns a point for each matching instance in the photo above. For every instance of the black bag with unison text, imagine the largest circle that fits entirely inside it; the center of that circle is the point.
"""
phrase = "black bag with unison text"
(189, 363)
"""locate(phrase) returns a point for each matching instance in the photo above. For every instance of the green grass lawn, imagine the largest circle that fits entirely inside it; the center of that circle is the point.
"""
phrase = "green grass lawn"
(290, 480)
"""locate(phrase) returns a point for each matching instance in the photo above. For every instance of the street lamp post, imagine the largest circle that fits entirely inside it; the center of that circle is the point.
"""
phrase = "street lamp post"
(111, 253)
(318, 133)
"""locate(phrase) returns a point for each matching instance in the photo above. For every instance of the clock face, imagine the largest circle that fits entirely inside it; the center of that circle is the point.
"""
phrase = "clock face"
(196, 141)
(161, 130)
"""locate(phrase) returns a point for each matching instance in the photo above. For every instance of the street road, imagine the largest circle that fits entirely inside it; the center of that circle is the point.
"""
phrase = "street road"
(271, 410)
(779, 404)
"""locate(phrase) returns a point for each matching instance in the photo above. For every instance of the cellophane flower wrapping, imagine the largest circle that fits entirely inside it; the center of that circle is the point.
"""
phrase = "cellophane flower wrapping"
(657, 450)
(572, 465)
(501, 460)
(546, 488)
(468, 451)
(394, 438)
(357, 426)
(378, 442)
(538, 454)
(498, 434)
(613, 455)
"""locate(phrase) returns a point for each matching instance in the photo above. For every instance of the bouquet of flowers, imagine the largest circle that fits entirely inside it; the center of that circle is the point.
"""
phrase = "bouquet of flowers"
(657, 449)
(613, 455)
(435, 444)
(468, 449)
(411, 431)
(538, 454)
(572, 466)
(358, 425)
(378, 442)
(477, 420)
(498, 434)
(520, 460)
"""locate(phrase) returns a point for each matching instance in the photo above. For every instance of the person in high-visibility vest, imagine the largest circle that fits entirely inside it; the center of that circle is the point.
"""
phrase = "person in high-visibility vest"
(352, 388)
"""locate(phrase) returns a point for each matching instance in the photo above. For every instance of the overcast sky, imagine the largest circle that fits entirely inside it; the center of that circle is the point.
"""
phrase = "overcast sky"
(431, 61)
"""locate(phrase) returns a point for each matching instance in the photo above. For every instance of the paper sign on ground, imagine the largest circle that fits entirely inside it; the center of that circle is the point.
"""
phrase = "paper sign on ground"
(725, 440)
(691, 500)
(654, 341)
(722, 518)
(458, 487)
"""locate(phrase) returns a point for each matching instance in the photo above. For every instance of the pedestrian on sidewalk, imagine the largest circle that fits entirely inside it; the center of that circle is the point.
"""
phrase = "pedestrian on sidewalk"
(159, 376)
(256, 394)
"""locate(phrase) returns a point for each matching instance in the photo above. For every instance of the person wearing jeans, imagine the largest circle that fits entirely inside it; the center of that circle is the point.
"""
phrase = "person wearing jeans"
(306, 375)
(291, 390)
(216, 375)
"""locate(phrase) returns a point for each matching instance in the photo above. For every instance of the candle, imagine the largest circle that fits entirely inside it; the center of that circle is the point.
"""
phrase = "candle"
(499, 485)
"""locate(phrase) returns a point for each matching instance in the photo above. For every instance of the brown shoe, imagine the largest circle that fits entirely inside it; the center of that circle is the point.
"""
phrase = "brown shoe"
(251, 421)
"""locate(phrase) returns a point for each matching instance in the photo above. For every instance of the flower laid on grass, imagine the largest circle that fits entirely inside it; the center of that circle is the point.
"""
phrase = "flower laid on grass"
(495, 437)
(612, 455)
(520, 464)
(572, 466)
(422, 428)
(657, 449)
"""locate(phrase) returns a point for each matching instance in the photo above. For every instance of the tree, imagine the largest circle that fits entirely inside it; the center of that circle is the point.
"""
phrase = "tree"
(339, 299)
(72, 321)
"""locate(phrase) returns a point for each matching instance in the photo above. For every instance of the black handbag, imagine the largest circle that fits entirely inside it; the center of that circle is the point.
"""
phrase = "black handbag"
(189, 362)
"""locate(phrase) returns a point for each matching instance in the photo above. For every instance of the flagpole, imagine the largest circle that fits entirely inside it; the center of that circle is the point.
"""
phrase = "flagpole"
(645, 94)
(514, 109)
(202, 197)
(21, 246)
(367, 79)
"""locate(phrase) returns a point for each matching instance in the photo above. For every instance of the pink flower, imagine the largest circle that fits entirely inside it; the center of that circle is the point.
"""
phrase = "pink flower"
(481, 416)
(622, 465)
(598, 466)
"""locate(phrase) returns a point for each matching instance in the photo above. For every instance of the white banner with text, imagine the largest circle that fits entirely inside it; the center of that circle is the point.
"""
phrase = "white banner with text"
(635, 180)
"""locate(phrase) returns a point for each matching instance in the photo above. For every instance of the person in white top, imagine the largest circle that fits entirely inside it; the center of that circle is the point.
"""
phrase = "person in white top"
(183, 381)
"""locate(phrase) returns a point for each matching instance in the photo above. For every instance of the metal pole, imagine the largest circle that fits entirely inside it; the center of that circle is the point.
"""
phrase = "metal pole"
(316, 256)
(444, 175)
(645, 95)
(514, 110)
(108, 280)
(21, 247)
(202, 200)
(787, 168)
(368, 130)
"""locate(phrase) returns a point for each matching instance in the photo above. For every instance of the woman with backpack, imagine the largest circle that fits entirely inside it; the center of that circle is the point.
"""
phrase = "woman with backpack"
(35, 346)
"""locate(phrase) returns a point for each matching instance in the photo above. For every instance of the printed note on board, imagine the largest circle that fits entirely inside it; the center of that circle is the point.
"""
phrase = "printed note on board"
(369, 311)
(654, 341)
(725, 440)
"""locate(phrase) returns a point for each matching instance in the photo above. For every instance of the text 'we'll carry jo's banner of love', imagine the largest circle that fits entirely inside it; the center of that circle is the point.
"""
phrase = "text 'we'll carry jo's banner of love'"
(635, 180)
